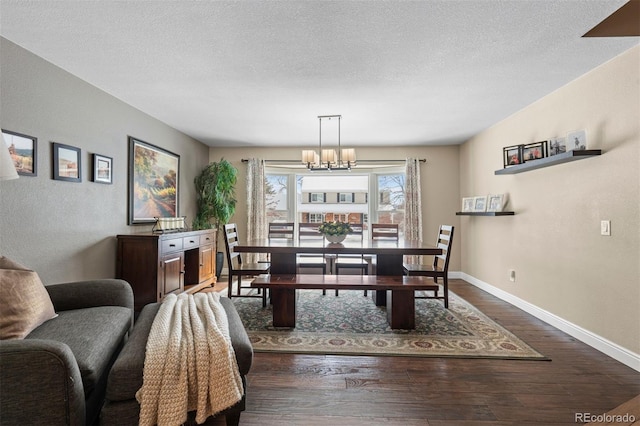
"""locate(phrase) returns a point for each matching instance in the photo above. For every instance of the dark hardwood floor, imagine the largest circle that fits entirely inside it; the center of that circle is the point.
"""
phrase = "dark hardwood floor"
(289, 389)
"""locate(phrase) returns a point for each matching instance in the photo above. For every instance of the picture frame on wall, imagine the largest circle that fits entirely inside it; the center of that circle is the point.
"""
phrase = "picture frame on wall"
(102, 169)
(534, 151)
(512, 155)
(577, 141)
(467, 204)
(67, 162)
(153, 182)
(495, 202)
(557, 146)
(480, 203)
(23, 150)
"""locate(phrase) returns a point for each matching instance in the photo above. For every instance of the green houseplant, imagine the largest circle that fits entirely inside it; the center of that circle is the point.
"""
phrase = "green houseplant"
(215, 200)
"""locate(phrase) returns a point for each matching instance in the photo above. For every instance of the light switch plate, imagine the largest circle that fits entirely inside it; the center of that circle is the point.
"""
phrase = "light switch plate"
(605, 227)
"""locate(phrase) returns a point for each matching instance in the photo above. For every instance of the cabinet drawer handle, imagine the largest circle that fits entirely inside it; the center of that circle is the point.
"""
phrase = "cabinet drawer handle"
(191, 241)
(172, 245)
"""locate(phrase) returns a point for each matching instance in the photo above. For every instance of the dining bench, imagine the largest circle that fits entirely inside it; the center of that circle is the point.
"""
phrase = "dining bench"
(400, 301)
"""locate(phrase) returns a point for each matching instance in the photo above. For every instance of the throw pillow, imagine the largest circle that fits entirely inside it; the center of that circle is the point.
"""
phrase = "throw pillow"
(24, 302)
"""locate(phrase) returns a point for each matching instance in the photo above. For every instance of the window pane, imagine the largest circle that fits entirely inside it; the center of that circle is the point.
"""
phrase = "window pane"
(391, 199)
(329, 197)
(275, 188)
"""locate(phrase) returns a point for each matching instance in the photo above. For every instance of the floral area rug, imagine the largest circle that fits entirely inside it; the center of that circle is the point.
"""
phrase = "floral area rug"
(351, 324)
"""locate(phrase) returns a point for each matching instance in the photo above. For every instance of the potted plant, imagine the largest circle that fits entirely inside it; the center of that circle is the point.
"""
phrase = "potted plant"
(335, 232)
(216, 200)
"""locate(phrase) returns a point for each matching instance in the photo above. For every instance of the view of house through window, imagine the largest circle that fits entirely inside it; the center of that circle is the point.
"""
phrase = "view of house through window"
(321, 197)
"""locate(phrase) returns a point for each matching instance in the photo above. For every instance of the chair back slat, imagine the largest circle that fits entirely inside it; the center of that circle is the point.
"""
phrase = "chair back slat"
(387, 231)
(309, 230)
(281, 230)
(444, 242)
(230, 241)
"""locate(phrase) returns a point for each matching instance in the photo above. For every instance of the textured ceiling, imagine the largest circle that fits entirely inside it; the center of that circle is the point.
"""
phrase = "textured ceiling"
(258, 73)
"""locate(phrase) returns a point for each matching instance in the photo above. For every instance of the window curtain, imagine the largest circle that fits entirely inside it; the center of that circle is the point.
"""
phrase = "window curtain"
(413, 205)
(256, 209)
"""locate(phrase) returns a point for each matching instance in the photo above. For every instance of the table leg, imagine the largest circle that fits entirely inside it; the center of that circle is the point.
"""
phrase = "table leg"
(401, 309)
(284, 307)
(386, 264)
(283, 263)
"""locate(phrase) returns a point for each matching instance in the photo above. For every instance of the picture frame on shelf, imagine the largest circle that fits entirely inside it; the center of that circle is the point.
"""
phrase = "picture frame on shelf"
(102, 169)
(480, 203)
(577, 141)
(153, 182)
(67, 162)
(534, 151)
(23, 150)
(468, 204)
(495, 202)
(512, 155)
(557, 146)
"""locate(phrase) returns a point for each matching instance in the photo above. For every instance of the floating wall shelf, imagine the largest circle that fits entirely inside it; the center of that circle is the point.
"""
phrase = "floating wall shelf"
(485, 213)
(565, 157)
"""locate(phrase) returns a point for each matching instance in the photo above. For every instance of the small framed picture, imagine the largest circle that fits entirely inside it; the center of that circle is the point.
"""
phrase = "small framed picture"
(512, 155)
(557, 146)
(534, 151)
(67, 163)
(24, 152)
(577, 141)
(495, 202)
(467, 204)
(102, 169)
(480, 203)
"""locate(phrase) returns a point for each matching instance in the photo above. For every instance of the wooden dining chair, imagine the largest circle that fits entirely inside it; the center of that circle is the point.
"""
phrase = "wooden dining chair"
(311, 231)
(440, 266)
(238, 268)
(353, 261)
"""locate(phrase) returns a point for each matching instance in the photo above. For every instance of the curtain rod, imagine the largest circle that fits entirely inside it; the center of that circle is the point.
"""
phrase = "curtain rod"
(422, 160)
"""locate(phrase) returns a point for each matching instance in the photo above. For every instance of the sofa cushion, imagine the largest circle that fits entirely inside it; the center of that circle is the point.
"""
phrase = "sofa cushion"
(94, 335)
(24, 302)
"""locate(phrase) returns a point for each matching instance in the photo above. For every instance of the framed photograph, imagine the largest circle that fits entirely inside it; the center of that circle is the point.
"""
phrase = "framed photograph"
(480, 203)
(467, 204)
(153, 182)
(67, 164)
(102, 169)
(495, 202)
(534, 151)
(24, 152)
(557, 146)
(512, 155)
(577, 141)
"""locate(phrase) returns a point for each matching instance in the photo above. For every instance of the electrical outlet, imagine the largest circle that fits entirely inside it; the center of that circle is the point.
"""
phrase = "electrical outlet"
(512, 275)
(605, 227)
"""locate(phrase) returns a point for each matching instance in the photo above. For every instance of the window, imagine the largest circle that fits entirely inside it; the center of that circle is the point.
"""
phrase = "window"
(346, 197)
(317, 197)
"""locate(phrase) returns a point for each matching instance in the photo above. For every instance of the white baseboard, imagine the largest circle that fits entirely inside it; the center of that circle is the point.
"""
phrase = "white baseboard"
(597, 342)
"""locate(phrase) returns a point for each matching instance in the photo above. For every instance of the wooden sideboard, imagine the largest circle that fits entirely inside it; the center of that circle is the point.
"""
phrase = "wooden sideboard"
(159, 264)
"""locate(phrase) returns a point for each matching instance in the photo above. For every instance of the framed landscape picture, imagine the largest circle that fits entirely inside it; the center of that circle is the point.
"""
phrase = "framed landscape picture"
(24, 152)
(153, 182)
(102, 169)
(67, 163)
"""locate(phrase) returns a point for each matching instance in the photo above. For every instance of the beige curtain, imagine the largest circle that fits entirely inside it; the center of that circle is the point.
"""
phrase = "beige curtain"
(256, 208)
(413, 205)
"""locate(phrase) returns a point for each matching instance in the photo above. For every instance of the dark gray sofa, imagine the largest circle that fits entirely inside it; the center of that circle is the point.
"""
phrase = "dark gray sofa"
(121, 407)
(58, 374)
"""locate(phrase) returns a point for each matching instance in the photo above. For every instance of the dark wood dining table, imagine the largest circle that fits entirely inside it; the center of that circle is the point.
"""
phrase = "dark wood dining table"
(389, 254)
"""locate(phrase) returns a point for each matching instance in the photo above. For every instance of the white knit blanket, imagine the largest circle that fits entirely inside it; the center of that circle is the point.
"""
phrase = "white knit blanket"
(190, 363)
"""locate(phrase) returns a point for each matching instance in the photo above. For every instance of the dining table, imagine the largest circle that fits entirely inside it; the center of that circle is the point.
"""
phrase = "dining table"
(389, 254)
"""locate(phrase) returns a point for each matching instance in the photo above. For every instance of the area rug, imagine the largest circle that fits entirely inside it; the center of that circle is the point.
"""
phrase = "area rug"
(351, 324)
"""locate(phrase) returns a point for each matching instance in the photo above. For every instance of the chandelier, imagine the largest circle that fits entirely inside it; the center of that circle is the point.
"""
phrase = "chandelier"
(329, 159)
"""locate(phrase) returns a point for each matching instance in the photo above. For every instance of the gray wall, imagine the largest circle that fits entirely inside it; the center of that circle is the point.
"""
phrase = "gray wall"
(66, 231)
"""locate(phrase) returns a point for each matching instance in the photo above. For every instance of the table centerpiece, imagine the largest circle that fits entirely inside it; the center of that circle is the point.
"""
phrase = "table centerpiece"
(335, 232)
